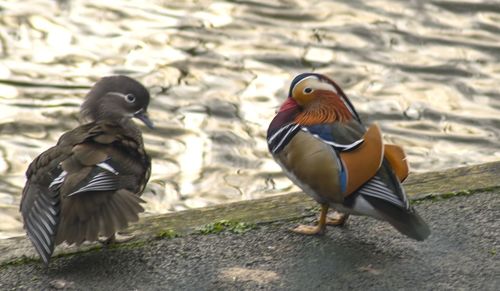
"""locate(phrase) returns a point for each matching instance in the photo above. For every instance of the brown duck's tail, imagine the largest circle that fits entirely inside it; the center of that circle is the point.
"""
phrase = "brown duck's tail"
(87, 215)
(404, 218)
(412, 225)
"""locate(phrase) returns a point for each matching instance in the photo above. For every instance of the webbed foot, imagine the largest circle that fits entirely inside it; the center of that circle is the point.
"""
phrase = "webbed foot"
(337, 218)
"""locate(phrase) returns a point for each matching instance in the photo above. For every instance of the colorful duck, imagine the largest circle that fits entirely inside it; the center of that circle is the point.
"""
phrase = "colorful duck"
(318, 139)
(89, 183)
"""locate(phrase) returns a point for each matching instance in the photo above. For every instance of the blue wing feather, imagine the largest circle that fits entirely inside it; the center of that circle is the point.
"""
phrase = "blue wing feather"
(326, 133)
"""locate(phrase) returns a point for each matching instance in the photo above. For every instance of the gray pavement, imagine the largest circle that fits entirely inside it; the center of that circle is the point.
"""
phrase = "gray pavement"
(460, 254)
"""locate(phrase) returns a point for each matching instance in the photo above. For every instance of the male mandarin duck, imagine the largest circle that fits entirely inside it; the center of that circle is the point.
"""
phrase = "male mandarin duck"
(321, 144)
(89, 184)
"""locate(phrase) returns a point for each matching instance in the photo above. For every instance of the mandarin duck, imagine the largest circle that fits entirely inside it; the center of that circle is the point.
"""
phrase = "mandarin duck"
(89, 184)
(319, 141)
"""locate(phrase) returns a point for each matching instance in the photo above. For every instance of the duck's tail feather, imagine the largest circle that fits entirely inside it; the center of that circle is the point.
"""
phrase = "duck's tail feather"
(407, 221)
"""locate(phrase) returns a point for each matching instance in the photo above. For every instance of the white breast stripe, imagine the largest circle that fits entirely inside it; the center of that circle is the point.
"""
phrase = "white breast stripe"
(270, 140)
(284, 138)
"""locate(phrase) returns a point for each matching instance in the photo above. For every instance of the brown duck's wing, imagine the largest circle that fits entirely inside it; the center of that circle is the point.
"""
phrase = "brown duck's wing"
(396, 157)
(109, 158)
(362, 163)
(40, 206)
(85, 217)
(40, 210)
(389, 202)
(125, 150)
(101, 180)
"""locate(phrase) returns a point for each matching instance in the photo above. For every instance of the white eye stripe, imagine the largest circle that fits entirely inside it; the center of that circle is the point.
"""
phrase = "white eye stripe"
(317, 85)
(307, 78)
(130, 98)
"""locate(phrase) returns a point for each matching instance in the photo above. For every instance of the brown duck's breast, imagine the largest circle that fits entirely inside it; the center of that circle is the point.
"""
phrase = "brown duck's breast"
(314, 165)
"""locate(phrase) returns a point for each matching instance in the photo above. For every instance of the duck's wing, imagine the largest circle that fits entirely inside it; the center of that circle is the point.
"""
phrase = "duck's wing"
(41, 206)
(383, 197)
(98, 184)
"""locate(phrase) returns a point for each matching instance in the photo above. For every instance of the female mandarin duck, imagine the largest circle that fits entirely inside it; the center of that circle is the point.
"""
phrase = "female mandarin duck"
(89, 183)
(318, 139)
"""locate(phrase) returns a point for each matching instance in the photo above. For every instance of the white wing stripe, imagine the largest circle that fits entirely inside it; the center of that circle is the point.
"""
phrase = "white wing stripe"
(43, 215)
(46, 200)
(383, 196)
(345, 147)
(334, 144)
(59, 179)
(107, 167)
(45, 240)
(378, 180)
(377, 188)
(100, 182)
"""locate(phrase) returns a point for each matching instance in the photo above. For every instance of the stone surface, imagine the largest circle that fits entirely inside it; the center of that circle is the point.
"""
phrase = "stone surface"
(460, 254)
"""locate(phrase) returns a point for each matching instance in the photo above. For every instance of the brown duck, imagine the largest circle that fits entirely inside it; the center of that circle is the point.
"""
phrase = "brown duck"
(88, 184)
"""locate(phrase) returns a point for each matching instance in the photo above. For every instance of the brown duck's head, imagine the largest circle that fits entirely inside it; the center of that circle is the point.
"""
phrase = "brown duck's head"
(117, 98)
(309, 88)
(318, 99)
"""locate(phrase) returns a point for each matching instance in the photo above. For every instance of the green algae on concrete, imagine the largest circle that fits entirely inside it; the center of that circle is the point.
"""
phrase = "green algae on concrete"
(168, 233)
(229, 225)
(458, 180)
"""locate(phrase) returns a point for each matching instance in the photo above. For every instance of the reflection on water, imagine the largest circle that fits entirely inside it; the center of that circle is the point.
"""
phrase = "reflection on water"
(427, 71)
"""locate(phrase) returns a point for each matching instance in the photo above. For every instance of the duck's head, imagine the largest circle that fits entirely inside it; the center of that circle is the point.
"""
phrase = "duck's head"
(117, 98)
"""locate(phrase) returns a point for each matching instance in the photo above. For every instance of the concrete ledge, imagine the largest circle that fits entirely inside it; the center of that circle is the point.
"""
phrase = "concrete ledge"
(458, 181)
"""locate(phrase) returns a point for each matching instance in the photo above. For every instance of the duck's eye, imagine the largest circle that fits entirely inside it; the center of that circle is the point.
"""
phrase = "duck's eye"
(308, 90)
(130, 98)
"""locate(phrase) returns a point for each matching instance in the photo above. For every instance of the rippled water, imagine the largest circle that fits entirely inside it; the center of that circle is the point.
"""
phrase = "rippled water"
(427, 71)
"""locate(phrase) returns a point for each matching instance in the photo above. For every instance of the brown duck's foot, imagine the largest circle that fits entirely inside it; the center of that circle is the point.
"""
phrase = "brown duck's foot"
(116, 238)
(314, 229)
(309, 229)
(337, 218)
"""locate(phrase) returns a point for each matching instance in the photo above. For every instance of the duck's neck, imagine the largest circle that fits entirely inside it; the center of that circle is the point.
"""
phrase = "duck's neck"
(326, 109)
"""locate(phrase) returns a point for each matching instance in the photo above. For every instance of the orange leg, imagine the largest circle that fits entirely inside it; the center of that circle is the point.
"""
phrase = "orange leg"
(337, 218)
(314, 229)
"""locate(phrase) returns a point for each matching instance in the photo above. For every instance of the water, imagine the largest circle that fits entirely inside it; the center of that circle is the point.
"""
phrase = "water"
(426, 71)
